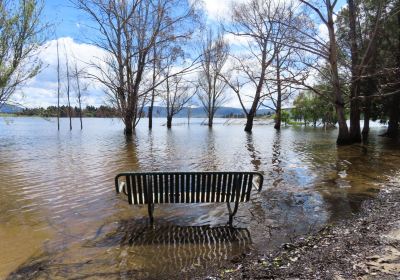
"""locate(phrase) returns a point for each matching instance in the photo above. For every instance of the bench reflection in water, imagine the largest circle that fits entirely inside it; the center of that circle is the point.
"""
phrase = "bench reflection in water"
(135, 251)
(168, 248)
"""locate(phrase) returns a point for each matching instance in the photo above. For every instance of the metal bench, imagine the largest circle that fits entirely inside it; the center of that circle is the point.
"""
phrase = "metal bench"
(188, 187)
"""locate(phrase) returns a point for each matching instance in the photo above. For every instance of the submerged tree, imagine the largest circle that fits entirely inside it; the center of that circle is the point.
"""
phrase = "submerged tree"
(176, 95)
(389, 80)
(175, 91)
(262, 25)
(127, 32)
(212, 87)
(58, 86)
(68, 87)
(321, 13)
(367, 35)
(21, 36)
(80, 87)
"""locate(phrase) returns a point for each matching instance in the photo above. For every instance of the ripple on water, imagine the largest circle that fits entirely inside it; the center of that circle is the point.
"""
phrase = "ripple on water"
(57, 194)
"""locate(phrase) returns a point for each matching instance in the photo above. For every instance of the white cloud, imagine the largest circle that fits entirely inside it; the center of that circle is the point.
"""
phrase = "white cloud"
(220, 9)
(323, 32)
(42, 89)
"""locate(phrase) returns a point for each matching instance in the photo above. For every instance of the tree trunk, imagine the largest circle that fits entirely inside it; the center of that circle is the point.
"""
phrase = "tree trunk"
(249, 122)
(394, 118)
(69, 101)
(169, 121)
(80, 114)
(393, 127)
(355, 130)
(371, 89)
(79, 95)
(58, 87)
(278, 115)
(343, 136)
(128, 119)
(150, 113)
(210, 119)
(367, 115)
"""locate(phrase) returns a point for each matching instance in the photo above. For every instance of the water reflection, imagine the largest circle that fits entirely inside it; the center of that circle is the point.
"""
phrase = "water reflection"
(254, 155)
(167, 247)
(57, 192)
(138, 250)
(277, 169)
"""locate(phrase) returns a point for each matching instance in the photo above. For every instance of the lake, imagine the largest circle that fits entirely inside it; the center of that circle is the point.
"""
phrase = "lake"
(59, 213)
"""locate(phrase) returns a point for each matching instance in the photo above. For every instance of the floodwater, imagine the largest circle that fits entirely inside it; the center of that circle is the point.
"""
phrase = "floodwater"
(60, 216)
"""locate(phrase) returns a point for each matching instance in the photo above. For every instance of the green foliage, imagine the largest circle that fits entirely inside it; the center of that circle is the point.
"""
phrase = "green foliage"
(311, 108)
(21, 35)
(285, 117)
(381, 75)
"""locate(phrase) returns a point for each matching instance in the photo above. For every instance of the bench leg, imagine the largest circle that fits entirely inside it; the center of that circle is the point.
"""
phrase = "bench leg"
(150, 208)
(232, 213)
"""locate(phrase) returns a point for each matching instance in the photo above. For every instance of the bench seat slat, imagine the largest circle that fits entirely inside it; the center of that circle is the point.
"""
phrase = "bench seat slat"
(213, 184)
(203, 187)
(154, 180)
(161, 184)
(198, 186)
(244, 188)
(187, 189)
(139, 189)
(128, 185)
(249, 186)
(218, 190)
(224, 188)
(134, 189)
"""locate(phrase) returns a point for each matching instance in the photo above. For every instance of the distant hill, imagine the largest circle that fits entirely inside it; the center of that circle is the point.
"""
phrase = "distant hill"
(198, 112)
(10, 109)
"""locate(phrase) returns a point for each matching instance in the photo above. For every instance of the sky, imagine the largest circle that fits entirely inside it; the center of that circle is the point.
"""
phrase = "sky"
(69, 28)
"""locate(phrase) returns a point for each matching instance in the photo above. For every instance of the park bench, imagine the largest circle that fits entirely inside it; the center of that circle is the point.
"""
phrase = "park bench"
(151, 188)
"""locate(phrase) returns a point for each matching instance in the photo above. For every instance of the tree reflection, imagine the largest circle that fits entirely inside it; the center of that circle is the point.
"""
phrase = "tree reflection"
(254, 154)
(277, 169)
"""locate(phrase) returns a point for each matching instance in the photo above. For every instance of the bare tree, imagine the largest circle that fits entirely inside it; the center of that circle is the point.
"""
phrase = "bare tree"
(68, 86)
(153, 91)
(58, 86)
(330, 52)
(128, 30)
(177, 93)
(308, 39)
(259, 23)
(212, 87)
(21, 36)
(278, 86)
(80, 86)
(286, 70)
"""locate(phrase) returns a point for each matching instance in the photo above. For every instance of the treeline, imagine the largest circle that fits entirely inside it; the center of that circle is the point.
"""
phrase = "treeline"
(88, 112)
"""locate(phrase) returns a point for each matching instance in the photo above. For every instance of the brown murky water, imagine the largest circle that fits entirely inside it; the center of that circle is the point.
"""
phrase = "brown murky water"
(60, 217)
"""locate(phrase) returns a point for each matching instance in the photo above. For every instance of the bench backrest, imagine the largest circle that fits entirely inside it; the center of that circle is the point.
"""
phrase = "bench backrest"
(188, 187)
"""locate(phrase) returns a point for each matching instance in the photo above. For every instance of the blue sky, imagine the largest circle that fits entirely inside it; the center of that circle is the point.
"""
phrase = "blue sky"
(64, 17)
(69, 26)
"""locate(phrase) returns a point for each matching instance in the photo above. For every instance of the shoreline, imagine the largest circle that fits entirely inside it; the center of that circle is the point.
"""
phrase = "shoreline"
(366, 246)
